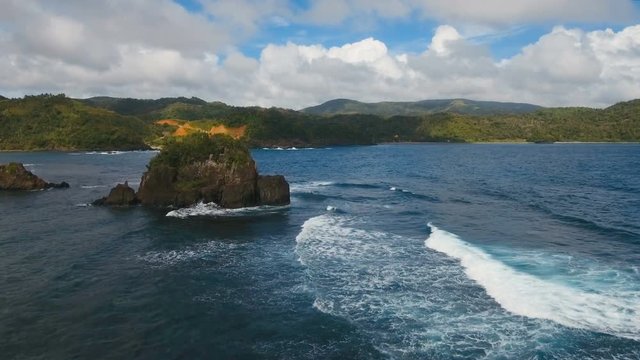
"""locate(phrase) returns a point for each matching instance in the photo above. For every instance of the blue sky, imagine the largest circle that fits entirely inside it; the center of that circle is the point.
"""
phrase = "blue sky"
(297, 53)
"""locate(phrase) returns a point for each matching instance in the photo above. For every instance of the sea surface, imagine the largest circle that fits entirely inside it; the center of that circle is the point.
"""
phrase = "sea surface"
(431, 251)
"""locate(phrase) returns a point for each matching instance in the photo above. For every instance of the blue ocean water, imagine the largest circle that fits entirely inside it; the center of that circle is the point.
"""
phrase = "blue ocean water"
(431, 251)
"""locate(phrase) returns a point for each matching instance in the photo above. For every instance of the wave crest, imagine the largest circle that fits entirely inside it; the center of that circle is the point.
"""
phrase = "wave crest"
(213, 210)
(523, 294)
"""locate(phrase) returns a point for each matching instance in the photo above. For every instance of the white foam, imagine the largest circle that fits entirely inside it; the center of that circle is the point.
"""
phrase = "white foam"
(190, 253)
(616, 313)
(293, 148)
(406, 300)
(309, 186)
(331, 208)
(105, 152)
(212, 209)
(93, 186)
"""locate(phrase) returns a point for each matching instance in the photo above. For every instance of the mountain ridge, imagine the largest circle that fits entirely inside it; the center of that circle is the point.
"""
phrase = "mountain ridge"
(421, 107)
(55, 122)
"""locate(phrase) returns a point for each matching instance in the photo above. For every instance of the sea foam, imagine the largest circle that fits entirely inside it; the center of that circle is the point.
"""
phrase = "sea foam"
(616, 313)
(213, 210)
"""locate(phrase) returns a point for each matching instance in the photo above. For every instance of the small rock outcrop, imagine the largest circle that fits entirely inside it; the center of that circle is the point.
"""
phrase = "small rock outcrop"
(14, 176)
(121, 195)
(207, 168)
(273, 190)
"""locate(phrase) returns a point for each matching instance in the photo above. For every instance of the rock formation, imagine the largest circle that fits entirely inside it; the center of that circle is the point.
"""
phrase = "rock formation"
(273, 190)
(14, 176)
(202, 168)
(121, 195)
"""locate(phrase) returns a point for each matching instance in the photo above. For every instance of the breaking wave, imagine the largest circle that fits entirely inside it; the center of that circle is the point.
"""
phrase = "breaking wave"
(615, 311)
(213, 210)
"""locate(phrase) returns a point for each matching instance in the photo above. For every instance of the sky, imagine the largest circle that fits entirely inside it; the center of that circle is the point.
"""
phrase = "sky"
(299, 53)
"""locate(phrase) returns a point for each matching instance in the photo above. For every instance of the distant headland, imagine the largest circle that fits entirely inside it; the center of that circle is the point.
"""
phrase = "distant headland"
(58, 123)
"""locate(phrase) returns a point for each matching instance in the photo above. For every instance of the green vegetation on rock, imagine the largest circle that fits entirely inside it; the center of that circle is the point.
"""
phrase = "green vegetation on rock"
(200, 147)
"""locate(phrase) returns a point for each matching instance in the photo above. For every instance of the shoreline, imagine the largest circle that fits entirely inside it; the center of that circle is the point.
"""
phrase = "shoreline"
(381, 143)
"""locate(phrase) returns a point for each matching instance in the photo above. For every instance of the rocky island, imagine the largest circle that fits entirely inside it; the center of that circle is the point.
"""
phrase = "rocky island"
(203, 168)
(14, 176)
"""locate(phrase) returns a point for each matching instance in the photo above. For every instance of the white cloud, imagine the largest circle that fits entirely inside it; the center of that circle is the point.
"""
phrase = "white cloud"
(164, 50)
(473, 13)
(564, 67)
(444, 36)
(500, 12)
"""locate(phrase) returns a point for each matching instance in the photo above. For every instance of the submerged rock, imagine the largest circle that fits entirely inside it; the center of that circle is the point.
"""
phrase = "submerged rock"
(14, 176)
(203, 168)
(121, 195)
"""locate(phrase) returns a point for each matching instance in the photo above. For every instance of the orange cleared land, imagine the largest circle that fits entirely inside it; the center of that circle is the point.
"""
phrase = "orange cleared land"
(235, 133)
(184, 130)
(171, 122)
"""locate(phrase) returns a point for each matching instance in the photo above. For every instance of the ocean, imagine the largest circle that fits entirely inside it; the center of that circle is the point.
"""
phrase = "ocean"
(412, 251)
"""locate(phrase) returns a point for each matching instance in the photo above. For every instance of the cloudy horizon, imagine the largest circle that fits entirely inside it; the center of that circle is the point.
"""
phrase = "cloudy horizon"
(296, 54)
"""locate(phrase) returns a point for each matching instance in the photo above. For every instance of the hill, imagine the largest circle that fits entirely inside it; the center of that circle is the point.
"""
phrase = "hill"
(129, 106)
(420, 108)
(55, 122)
(51, 122)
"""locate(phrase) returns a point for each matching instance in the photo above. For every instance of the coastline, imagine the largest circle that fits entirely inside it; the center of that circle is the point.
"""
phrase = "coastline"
(343, 145)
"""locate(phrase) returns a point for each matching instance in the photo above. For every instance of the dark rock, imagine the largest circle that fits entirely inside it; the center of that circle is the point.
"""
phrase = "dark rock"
(208, 169)
(273, 190)
(121, 195)
(157, 187)
(14, 176)
(62, 185)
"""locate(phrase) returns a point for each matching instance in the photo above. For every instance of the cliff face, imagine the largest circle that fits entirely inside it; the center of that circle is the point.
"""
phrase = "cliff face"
(209, 169)
(230, 186)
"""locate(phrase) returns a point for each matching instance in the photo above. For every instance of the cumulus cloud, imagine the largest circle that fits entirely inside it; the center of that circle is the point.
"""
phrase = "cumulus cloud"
(165, 50)
(564, 67)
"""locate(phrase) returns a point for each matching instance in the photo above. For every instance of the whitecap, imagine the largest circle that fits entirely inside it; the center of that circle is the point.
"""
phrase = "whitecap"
(93, 186)
(309, 186)
(380, 281)
(213, 210)
(613, 312)
(190, 253)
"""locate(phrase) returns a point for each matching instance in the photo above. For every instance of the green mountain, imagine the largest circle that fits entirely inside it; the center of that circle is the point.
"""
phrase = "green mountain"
(51, 122)
(55, 122)
(129, 106)
(419, 108)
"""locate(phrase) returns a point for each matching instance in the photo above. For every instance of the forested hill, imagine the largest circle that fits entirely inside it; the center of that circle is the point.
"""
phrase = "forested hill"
(129, 106)
(56, 122)
(420, 108)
